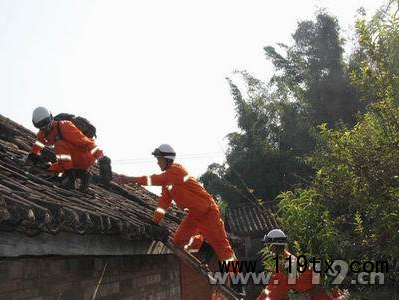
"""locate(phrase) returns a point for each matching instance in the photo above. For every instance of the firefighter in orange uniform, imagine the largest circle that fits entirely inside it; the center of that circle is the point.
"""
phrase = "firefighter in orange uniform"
(282, 283)
(74, 151)
(278, 285)
(203, 220)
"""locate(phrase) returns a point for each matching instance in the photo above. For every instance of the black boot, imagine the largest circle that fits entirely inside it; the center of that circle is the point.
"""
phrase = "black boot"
(105, 170)
(69, 178)
(205, 253)
(239, 289)
(85, 178)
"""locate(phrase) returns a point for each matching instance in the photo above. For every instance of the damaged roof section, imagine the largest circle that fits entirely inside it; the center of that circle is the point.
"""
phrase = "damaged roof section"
(31, 202)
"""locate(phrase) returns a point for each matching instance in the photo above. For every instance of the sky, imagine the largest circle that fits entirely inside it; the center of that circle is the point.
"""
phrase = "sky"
(146, 72)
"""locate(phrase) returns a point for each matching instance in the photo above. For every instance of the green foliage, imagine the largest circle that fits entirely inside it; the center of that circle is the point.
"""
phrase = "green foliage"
(269, 264)
(308, 227)
(278, 120)
(314, 74)
(351, 210)
(266, 156)
(222, 206)
(375, 65)
(303, 132)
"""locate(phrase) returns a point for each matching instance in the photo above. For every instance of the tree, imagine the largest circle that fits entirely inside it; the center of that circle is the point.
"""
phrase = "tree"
(351, 211)
(313, 72)
(278, 120)
(375, 64)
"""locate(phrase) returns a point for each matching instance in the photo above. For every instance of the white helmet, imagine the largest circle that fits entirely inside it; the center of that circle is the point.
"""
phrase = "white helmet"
(164, 151)
(275, 237)
(41, 117)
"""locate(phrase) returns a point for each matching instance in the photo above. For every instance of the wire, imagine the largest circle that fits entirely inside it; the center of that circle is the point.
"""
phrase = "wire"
(254, 200)
(185, 156)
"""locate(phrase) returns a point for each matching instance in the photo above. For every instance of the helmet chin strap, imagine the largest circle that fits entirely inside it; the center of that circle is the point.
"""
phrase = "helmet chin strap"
(47, 129)
(168, 164)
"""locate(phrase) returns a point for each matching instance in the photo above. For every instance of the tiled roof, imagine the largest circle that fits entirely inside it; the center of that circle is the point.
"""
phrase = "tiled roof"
(31, 201)
(249, 219)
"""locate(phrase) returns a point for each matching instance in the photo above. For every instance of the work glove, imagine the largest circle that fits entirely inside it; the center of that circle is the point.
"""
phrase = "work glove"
(48, 155)
(157, 217)
(37, 161)
(44, 165)
(32, 159)
(105, 170)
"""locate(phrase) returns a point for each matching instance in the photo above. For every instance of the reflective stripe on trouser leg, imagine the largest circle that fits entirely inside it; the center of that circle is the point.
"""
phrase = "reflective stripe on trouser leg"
(195, 243)
(63, 155)
(190, 242)
(65, 161)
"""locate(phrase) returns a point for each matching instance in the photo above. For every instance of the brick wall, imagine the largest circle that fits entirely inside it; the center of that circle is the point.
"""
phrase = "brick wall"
(194, 286)
(125, 277)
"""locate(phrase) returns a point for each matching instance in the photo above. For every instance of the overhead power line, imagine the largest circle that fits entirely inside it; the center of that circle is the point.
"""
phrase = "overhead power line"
(151, 159)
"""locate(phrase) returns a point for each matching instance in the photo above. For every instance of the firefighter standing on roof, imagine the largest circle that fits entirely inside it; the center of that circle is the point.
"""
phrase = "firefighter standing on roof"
(203, 220)
(74, 151)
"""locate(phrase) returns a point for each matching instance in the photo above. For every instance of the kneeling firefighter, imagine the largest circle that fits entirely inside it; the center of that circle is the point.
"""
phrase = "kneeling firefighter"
(75, 152)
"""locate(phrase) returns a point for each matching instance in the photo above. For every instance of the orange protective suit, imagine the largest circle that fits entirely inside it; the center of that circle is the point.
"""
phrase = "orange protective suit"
(203, 220)
(72, 148)
(278, 286)
(314, 291)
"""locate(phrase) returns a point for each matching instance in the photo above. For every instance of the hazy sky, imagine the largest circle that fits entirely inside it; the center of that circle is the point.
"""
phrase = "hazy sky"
(145, 72)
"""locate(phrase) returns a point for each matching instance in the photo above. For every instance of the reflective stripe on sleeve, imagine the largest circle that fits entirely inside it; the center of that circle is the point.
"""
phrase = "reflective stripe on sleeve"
(161, 210)
(64, 157)
(39, 144)
(93, 150)
(149, 182)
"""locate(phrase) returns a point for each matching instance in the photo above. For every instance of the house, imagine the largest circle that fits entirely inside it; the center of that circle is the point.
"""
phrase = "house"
(60, 244)
(250, 222)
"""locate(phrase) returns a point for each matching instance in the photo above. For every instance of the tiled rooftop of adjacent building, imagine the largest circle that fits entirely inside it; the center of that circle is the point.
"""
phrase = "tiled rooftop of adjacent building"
(248, 219)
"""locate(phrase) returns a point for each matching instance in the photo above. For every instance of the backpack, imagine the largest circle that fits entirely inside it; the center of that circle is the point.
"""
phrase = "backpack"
(87, 128)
